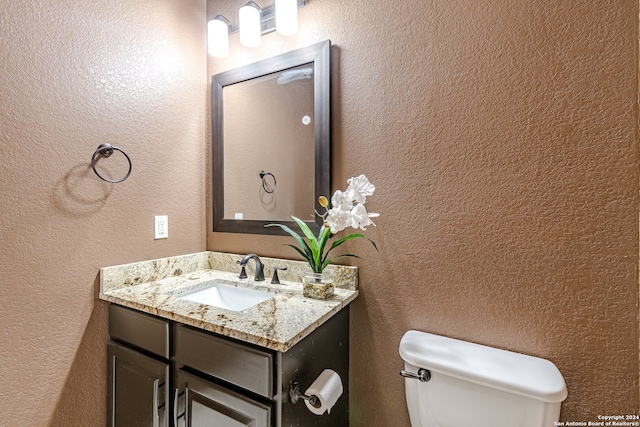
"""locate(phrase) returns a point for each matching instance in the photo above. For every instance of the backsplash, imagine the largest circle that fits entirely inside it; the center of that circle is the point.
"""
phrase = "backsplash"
(117, 277)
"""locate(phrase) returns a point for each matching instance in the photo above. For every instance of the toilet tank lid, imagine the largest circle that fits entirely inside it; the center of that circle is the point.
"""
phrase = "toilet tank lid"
(500, 369)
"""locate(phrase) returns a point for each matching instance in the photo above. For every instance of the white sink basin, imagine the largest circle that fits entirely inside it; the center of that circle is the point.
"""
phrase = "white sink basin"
(226, 296)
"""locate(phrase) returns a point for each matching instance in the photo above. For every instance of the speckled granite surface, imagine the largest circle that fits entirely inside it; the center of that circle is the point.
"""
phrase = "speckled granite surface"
(277, 323)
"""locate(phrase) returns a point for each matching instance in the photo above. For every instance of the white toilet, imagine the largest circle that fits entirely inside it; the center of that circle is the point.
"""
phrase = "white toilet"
(468, 384)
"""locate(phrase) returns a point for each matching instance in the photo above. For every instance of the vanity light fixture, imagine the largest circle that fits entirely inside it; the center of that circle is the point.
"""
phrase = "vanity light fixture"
(218, 36)
(281, 16)
(249, 18)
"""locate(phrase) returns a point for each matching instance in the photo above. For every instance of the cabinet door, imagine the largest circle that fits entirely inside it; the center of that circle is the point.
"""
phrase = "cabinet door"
(137, 389)
(200, 403)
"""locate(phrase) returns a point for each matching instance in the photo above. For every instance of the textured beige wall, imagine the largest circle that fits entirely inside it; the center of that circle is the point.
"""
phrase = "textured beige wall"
(502, 140)
(74, 74)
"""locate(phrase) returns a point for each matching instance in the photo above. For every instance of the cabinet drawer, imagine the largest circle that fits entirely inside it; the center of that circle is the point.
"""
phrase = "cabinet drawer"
(208, 404)
(139, 329)
(244, 366)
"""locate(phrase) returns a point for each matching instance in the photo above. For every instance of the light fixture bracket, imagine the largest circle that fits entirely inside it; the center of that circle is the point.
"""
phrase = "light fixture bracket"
(267, 19)
(223, 19)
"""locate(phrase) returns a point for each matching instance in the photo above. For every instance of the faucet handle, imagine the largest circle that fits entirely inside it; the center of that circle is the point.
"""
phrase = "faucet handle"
(276, 280)
(243, 272)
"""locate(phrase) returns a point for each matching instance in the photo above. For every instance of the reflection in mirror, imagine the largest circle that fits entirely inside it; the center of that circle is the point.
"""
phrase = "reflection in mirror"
(279, 146)
(271, 141)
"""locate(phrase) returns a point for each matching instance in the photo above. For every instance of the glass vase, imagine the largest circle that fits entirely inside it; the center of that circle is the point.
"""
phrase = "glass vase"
(318, 285)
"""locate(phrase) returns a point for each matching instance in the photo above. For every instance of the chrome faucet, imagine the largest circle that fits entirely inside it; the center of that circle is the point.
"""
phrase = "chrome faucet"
(259, 277)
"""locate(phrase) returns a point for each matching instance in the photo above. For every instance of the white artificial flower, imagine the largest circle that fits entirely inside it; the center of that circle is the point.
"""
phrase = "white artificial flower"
(360, 218)
(338, 220)
(347, 208)
(359, 188)
(341, 201)
(357, 217)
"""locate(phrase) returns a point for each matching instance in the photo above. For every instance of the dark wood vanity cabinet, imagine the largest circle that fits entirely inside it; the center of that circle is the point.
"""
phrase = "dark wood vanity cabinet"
(163, 373)
(138, 388)
(138, 369)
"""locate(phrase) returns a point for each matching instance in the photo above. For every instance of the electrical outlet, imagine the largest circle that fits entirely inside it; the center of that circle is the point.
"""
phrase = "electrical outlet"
(162, 226)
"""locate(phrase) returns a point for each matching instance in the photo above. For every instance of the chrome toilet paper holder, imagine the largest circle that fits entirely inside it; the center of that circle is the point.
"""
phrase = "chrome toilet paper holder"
(295, 394)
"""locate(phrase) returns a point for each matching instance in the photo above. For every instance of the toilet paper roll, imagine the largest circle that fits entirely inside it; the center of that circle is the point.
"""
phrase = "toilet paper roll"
(327, 388)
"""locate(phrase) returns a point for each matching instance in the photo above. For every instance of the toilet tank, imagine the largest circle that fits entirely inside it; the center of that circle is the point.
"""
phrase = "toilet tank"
(480, 386)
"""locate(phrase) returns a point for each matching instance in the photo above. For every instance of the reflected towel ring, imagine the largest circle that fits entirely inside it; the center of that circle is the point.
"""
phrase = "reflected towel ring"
(106, 150)
(266, 188)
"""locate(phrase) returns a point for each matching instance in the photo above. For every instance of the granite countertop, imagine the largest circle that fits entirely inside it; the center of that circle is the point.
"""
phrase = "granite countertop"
(277, 323)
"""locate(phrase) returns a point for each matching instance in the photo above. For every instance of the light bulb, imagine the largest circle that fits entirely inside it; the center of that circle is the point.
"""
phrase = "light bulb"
(250, 30)
(287, 17)
(218, 37)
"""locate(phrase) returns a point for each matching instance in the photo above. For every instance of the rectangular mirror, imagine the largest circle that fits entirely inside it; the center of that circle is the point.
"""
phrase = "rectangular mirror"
(271, 141)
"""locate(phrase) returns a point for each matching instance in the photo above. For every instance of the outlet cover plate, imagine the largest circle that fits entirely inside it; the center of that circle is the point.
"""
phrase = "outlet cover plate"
(161, 226)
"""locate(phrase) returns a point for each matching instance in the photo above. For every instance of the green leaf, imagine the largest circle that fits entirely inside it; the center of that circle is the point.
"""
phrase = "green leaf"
(347, 238)
(350, 237)
(307, 232)
(305, 229)
(316, 247)
(299, 251)
(300, 240)
(328, 261)
(324, 235)
(351, 255)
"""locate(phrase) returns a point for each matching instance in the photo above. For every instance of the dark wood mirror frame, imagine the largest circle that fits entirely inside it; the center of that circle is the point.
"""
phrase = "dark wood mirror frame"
(319, 55)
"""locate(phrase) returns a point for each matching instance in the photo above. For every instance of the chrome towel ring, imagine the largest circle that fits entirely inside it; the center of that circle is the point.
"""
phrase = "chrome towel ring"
(106, 150)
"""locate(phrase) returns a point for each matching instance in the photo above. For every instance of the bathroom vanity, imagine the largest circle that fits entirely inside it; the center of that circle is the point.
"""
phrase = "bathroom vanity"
(175, 362)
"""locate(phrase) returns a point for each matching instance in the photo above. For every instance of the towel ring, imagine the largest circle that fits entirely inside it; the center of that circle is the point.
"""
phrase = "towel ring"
(266, 188)
(106, 150)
